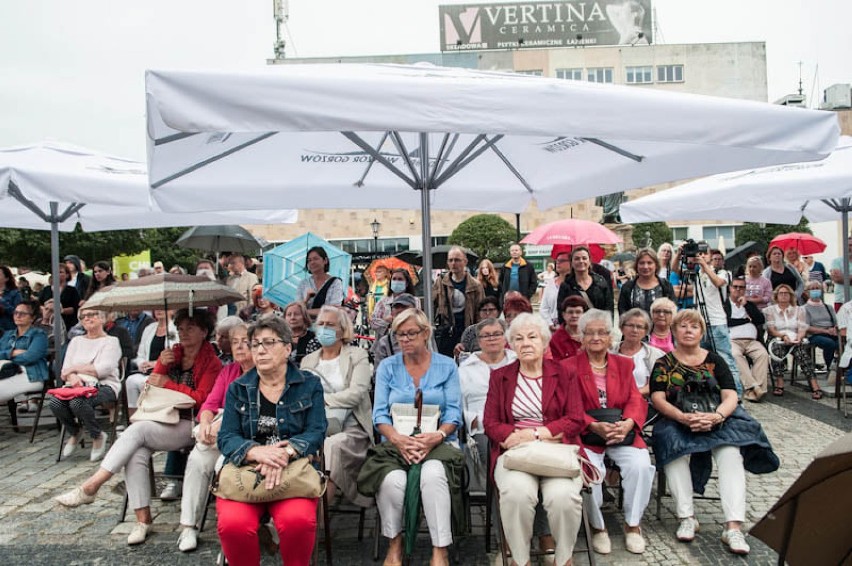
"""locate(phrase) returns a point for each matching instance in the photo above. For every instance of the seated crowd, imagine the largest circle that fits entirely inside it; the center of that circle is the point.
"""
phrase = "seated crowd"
(271, 384)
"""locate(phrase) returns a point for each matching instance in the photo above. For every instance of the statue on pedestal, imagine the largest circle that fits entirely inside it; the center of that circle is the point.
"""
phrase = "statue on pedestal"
(611, 205)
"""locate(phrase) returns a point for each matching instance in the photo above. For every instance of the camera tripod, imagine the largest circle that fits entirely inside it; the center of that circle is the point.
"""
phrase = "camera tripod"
(688, 276)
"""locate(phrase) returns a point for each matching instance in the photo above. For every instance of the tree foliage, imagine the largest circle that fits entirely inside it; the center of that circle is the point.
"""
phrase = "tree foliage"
(659, 232)
(487, 235)
(31, 248)
(764, 233)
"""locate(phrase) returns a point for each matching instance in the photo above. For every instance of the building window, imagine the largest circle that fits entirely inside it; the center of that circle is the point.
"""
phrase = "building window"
(366, 245)
(711, 235)
(639, 75)
(600, 75)
(680, 233)
(570, 74)
(533, 72)
(669, 73)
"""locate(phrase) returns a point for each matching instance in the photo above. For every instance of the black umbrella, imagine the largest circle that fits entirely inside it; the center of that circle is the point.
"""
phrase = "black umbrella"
(737, 257)
(218, 239)
(411, 502)
(439, 257)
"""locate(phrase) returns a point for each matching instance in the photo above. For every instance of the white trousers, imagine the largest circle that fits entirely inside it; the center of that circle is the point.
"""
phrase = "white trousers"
(637, 479)
(435, 497)
(134, 385)
(518, 498)
(18, 385)
(732, 484)
(196, 482)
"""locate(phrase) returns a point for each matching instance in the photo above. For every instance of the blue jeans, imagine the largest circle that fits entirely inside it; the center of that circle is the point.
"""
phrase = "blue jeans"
(828, 345)
(722, 341)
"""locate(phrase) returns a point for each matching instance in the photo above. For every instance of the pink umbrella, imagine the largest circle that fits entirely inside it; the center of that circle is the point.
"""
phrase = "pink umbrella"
(805, 243)
(571, 232)
(595, 251)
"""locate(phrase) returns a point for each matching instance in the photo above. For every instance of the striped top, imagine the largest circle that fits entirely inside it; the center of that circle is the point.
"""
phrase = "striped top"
(526, 406)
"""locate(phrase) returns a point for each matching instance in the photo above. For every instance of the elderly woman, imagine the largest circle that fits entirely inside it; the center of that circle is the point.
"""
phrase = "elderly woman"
(400, 282)
(304, 340)
(91, 359)
(489, 307)
(190, 368)
(662, 312)
(319, 288)
(202, 459)
(635, 325)
(665, 254)
(260, 426)
(414, 368)
(822, 323)
(779, 273)
(533, 399)
(514, 304)
(584, 282)
(607, 382)
(647, 286)
(566, 340)
(346, 378)
(259, 306)
(694, 391)
(25, 345)
(787, 327)
(758, 287)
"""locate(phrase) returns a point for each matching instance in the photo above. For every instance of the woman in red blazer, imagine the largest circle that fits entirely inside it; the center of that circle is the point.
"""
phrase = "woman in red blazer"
(529, 400)
(606, 381)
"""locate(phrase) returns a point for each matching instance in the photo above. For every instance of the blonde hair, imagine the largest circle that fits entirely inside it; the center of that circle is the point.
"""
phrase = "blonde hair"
(417, 316)
(689, 315)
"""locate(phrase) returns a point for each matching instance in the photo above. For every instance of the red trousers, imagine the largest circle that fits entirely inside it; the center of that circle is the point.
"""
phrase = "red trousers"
(295, 520)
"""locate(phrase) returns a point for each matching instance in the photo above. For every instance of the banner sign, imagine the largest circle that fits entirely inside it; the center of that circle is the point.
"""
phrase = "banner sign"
(524, 25)
(130, 264)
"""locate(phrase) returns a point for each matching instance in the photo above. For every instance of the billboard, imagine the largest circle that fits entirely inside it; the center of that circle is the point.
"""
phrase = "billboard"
(571, 23)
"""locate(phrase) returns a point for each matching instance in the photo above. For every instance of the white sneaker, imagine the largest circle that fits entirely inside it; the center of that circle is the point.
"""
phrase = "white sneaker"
(188, 540)
(138, 534)
(634, 542)
(72, 444)
(75, 498)
(99, 451)
(601, 543)
(172, 491)
(736, 541)
(687, 529)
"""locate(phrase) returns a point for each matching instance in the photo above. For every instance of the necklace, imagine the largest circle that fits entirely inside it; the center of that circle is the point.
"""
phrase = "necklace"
(599, 367)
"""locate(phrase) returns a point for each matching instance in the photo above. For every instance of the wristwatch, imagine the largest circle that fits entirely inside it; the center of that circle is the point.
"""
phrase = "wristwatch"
(290, 451)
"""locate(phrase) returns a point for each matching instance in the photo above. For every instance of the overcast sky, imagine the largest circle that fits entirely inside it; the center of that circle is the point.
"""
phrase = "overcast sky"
(74, 71)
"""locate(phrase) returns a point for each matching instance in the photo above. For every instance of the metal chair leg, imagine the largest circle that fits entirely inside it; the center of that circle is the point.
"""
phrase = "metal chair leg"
(37, 415)
(13, 413)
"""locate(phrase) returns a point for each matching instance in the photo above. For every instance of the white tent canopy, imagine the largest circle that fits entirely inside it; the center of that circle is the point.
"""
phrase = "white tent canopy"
(308, 136)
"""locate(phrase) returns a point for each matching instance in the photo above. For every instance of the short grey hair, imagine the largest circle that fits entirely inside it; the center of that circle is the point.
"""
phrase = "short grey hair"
(635, 313)
(274, 323)
(491, 321)
(529, 319)
(594, 315)
(346, 330)
(226, 324)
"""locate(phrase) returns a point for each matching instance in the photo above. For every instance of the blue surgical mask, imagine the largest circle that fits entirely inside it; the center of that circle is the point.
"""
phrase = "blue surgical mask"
(815, 293)
(397, 287)
(326, 336)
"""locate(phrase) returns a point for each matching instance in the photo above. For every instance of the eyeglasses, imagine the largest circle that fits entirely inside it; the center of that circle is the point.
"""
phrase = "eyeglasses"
(267, 343)
(738, 286)
(601, 333)
(236, 343)
(662, 312)
(491, 336)
(410, 335)
(21, 313)
(85, 315)
(634, 326)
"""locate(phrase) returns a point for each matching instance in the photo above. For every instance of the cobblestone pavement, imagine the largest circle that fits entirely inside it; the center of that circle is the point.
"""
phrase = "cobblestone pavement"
(34, 531)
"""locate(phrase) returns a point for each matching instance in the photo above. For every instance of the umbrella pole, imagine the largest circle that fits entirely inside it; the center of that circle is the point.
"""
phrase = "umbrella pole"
(58, 338)
(166, 314)
(845, 240)
(425, 187)
(788, 530)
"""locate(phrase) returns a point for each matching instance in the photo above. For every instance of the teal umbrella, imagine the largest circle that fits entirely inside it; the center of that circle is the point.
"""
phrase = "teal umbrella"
(284, 267)
(411, 503)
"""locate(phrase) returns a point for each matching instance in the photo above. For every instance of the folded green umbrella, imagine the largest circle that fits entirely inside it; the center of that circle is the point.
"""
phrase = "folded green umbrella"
(411, 503)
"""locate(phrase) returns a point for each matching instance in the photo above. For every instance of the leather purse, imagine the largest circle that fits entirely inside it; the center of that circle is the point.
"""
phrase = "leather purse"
(699, 396)
(161, 405)
(606, 416)
(246, 484)
(550, 460)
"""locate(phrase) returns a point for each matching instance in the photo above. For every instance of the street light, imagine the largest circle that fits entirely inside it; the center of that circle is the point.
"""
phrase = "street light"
(375, 225)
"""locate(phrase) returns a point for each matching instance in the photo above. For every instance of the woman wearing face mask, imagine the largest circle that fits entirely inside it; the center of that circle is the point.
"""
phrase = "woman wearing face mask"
(822, 323)
(345, 375)
(400, 282)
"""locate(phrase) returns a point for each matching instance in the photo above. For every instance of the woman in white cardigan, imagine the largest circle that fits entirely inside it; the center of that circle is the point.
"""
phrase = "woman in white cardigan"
(345, 374)
(155, 338)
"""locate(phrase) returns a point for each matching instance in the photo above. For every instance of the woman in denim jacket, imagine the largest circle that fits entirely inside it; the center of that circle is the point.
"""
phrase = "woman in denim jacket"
(273, 414)
(26, 346)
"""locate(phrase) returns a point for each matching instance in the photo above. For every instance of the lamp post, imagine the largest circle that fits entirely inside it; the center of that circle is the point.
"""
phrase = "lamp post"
(374, 226)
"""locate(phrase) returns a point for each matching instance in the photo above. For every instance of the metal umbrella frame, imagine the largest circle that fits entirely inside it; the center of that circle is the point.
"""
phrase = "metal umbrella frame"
(164, 290)
(220, 238)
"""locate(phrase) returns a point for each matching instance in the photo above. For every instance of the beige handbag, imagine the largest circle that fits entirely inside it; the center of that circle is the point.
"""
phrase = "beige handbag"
(549, 460)
(245, 484)
(161, 405)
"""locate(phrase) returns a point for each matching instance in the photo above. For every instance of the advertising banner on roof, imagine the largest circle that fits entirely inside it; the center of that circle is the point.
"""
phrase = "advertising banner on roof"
(524, 25)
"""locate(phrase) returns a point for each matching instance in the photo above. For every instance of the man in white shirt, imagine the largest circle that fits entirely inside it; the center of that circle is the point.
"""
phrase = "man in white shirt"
(751, 356)
(240, 280)
(548, 309)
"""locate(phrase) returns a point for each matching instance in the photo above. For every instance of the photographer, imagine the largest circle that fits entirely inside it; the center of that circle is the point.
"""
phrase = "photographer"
(709, 286)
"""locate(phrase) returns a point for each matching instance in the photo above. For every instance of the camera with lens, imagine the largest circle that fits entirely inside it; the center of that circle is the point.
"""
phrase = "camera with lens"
(691, 248)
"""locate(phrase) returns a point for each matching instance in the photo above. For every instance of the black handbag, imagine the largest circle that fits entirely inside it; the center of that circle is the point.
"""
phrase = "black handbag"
(699, 396)
(9, 369)
(606, 416)
(444, 328)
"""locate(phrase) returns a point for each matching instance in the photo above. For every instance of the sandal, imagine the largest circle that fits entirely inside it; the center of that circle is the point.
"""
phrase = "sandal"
(817, 394)
(778, 391)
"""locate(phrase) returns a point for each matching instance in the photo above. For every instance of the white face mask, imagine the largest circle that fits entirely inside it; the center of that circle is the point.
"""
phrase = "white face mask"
(206, 273)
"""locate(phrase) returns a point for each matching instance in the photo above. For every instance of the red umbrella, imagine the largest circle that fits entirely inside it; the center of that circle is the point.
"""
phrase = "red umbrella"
(805, 243)
(390, 263)
(573, 233)
(596, 252)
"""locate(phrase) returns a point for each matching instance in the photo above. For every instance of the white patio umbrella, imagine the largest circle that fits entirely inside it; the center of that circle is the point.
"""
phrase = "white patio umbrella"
(308, 136)
(54, 185)
(818, 190)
